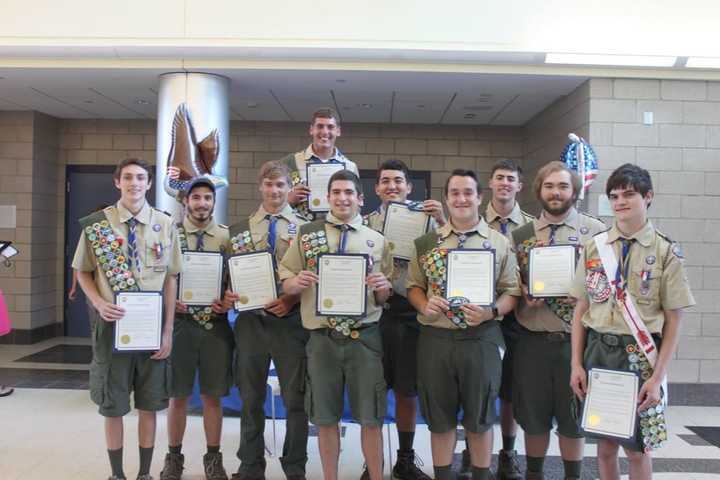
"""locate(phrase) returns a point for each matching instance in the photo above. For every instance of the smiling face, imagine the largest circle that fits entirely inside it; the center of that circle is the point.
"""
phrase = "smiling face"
(556, 192)
(505, 185)
(199, 204)
(344, 200)
(463, 199)
(324, 132)
(628, 205)
(392, 186)
(274, 192)
(133, 183)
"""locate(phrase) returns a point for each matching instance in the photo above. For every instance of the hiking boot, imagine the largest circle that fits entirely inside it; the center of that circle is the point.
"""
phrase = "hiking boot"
(465, 472)
(508, 466)
(173, 468)
(408, 466)
(247, 476)
(214, 469)
(147, 476)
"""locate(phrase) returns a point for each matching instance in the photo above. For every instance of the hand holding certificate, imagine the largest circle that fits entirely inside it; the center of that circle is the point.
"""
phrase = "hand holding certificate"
(252, 276)
(318, 175)
(201, 278)
(551, 270)
(402, 226)
(342, 289)
(140, 329)
(471, 274)
(610, 407)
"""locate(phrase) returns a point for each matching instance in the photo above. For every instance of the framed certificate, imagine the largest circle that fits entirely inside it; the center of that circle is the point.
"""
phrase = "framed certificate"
(402, 226)
(551, 270)
(318, 175)
(471, 274)
(342, 289)
(610, 407)
(140, 329)
(201, 278)
(252, 276)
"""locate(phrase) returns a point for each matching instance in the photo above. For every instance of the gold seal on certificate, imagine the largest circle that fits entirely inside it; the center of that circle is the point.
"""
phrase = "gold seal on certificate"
(318, 174)
(140, 329)
(610, 407)
(342, 289)
(471, 274)
(402, 226)
(201, 278)
(252, 276)
(551, 270)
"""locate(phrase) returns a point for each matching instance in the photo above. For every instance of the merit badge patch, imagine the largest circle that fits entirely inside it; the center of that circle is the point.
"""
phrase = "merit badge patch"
(156, 227)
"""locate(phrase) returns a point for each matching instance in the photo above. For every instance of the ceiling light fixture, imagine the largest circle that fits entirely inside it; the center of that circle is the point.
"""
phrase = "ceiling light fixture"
(341, 80)
(420, 105)
(252, 104)
(610, 60)
(89, 101)
(141, 101)
(703, 62)
(469, 116)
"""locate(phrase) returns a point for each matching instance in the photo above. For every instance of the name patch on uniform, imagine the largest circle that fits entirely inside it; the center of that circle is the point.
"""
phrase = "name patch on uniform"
(573, 239)
(156, 227)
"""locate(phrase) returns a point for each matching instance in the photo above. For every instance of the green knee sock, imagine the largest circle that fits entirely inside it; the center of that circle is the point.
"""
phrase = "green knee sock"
(146, 455)
(535, 464)
(480, 473)
(573, 469)
(116, 462)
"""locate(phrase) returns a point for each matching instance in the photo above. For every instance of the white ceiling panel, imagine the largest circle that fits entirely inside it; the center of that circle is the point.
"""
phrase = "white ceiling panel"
(420, 107)
(364, 106)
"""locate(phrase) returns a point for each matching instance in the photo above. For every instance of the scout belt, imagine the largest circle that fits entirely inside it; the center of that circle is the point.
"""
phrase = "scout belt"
(108, 251)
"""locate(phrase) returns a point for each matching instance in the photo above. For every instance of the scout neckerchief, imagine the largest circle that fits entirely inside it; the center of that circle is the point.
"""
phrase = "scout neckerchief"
(203, 314)
(642, 356)
(525, 239)
(108, 251)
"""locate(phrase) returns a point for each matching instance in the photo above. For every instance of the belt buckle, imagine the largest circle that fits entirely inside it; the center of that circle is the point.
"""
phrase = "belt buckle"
(611, 340)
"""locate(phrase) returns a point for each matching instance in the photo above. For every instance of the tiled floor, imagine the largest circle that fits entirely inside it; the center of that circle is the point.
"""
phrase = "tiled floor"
(51, 430)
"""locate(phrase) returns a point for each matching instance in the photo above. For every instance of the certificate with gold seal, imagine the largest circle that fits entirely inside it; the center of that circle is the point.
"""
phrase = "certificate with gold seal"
(471, 274)
(342, 289)
(551, 270)
(610, 406)
(318, 175)
(140, 328)
(402, 226)
(252, 277)
(201, 278)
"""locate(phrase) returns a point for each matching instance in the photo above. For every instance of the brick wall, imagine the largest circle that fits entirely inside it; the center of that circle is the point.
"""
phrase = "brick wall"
(681, 149)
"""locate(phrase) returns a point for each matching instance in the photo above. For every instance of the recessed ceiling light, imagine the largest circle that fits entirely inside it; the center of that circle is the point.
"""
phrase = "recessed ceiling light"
(341, 80)
(141, 101)
(89, 101)
(469, 116)
(252, 105)
(703, 62)
(420, 105)
(610, 60)
(364, 105)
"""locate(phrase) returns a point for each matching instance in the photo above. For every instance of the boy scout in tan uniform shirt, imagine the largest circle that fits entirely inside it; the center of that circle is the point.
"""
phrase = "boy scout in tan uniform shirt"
(260, 336)
(518, 217)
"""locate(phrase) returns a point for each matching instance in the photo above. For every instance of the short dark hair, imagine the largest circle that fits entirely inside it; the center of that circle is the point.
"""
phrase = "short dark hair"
(462, 172)
(325, 112)
(507, 164)
(133, 161)
(629, 176)
(393, 164)
(557, 166)
(346, 175)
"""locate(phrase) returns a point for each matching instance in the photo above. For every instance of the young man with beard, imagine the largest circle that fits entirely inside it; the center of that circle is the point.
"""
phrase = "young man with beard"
(342, 351)
(398, 324)
(324, 131)
(202, 339)
(503, 214)
(541, 385)
(631, 320)
(129, 246)
(465, 368)
(275, 332)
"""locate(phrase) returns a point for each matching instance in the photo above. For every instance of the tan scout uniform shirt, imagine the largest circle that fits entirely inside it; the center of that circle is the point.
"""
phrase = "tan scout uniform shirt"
(576, 229)
(153, 228)
(517, 218)
(308, 155)
(360, 239)
(376, 221)
(505, 265)
(215, 239)
(667, 288)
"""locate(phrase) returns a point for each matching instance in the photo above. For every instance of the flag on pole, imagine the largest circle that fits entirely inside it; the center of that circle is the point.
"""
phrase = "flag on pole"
(580, 156)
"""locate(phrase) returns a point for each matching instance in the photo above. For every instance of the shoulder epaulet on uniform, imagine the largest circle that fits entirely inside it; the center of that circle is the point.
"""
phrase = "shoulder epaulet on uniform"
(602, 231)
(223, 226)
(591, 216)
(664, 236)
(527, 215)
(162, 211)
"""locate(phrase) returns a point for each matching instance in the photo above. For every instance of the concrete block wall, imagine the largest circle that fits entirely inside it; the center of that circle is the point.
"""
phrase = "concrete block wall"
(681, 149)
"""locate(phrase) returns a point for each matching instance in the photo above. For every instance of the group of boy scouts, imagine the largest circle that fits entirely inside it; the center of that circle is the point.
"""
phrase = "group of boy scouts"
(531, 353)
